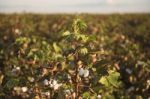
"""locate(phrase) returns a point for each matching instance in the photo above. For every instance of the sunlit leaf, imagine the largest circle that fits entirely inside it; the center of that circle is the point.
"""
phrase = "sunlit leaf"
(104, 81)
(67, 33)
(56, 47)
(83, 50)
(86, 95)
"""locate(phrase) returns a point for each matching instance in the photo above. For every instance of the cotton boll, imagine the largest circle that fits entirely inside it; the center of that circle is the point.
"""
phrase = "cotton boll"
(73, 95)
(66, 95)
(17, 31)
(51, 85)
(15, 71)
(148, 82)
(68, 92)
(54, 82)
(86, 73)
(31, 79)
(68, 76)
(24, 89)
(99, 96)
(47, 93)
(17, 88)
(81, 71)
(129, 71)
(130, 89)
(17, 68)
(46, 82)
(56, 86)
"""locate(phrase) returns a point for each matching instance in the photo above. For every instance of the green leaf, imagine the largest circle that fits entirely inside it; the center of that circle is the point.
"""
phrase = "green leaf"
(56, 47)
(79, 25)
(11, 83)
(111, 80)
(83, 50)
(22, 40)
(67, 33)
(108, 96)
(70, 57)
(57, 56)
(81, 37)
(103, 80)
(86, 95)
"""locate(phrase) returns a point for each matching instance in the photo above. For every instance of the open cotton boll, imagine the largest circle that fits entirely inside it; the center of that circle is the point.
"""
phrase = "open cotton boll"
(17, 31)
(56, 86)
(24, 89)
(86, 73)
(17, 88)
(68, 92)
(47, 93)
(31, 79)
(99, 96)
(68, 76)
(129, 71)
(54, 82)
(17, 68)
(81, 71)
(46, 82)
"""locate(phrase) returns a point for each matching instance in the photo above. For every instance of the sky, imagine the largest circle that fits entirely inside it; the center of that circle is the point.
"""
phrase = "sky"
(75, 6)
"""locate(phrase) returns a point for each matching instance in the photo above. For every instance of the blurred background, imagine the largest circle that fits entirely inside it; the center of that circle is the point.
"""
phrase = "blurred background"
(75, 6)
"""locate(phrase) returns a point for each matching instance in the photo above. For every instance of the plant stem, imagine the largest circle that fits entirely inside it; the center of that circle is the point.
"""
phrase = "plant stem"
(76, 75)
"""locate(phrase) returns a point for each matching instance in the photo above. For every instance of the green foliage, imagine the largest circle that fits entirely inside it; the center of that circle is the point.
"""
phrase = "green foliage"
(78, 25)
(48, 58)
(111, 80)
(83, 50)
(11, 83)
(86, 95)
(56, 47)
(22, 40)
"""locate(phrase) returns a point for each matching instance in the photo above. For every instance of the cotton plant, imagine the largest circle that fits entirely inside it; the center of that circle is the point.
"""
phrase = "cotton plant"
(79, 72)
(62, 69)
